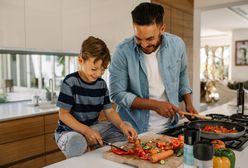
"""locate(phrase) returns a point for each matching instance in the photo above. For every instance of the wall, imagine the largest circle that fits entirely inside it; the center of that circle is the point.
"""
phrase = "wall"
(236, 74)
(62, 25)
(216, 41)
(211, 4)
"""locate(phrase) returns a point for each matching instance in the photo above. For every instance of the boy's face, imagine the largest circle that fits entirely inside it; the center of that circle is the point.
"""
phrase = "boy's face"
(89, 70)
(148, 36)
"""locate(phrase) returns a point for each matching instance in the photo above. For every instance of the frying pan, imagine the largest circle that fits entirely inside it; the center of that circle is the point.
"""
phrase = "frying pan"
(222, 136)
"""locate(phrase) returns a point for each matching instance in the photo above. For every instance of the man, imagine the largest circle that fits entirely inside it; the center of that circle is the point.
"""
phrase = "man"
(148, 73)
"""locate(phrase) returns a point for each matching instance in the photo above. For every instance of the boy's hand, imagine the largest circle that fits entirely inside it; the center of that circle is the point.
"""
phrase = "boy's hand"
(93, 137)
(128, 131)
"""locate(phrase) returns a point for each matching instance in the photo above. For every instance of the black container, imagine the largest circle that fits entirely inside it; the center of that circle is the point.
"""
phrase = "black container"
(240, 98)
(191, 136)
(203, 154)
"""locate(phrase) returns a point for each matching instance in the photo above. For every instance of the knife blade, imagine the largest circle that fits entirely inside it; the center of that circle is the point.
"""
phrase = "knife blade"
(112, 145)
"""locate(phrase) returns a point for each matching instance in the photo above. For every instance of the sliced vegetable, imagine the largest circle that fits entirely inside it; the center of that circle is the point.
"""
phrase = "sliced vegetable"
(179, 152)
(162, 155)
(146, 147)
(121, 152)
(218, 144)
(162, 162)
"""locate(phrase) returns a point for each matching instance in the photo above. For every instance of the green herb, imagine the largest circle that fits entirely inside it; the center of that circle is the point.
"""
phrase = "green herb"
(179, 152)
(146, 147)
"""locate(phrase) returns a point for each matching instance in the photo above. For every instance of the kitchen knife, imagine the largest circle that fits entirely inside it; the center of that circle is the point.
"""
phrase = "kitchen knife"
(112, 145)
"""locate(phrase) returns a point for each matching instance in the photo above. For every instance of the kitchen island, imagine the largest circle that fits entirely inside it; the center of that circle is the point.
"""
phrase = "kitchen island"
(26, 136)
(94, 159)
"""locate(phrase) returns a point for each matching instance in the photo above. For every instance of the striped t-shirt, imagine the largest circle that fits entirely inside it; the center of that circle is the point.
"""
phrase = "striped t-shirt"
(84, 100)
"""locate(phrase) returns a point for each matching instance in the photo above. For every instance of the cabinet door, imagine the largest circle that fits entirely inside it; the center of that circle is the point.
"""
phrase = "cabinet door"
(50, 144)
(20, 129)
(75, 24)
(43, 24)
(23, 149)
(111, 20)
(54, 157)
(12, 24)
(36, 162)
(51, 122)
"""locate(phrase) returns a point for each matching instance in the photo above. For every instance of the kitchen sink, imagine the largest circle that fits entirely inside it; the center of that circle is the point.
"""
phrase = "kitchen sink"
(43, 105)
(46, 105)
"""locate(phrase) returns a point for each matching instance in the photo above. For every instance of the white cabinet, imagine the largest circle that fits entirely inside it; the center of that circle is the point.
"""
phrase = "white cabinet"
(12, 34)
(43, 24)
(62, 25)
(75, 24)
(111, 20)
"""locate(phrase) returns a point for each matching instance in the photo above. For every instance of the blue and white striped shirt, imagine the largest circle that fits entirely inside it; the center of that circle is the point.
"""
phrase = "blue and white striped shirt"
(84, 100)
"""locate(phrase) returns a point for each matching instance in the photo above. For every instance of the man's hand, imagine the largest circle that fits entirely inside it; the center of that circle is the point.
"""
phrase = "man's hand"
(93, 136)
(166, 109)
(191, 109)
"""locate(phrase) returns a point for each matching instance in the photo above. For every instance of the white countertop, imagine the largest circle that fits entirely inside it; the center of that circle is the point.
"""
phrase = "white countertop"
(10, 111)
(94, 159)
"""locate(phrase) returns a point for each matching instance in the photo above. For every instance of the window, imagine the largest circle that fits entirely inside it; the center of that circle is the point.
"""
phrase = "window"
(29, 71)
(214, 62)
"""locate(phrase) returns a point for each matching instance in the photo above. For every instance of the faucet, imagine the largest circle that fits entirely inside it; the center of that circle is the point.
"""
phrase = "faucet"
(52, 91)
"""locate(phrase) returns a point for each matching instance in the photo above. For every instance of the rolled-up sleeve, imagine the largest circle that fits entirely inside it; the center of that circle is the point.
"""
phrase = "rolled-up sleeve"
(118, 80)
(184, 82)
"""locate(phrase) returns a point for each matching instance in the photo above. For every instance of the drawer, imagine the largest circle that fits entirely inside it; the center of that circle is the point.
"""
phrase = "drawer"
(15, 151)
(51, 122)
(50, 143)
(37, 162)
(20, 129)
(54, 157)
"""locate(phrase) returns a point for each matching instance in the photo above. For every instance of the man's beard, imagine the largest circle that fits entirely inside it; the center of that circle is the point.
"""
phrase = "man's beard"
(149, 51)
(154, 47)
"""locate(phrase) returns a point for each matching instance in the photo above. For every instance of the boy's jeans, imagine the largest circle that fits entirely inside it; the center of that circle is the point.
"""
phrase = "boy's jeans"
(72, 143)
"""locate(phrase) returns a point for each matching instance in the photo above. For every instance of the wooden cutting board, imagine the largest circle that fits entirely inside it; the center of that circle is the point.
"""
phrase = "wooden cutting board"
(171, 162)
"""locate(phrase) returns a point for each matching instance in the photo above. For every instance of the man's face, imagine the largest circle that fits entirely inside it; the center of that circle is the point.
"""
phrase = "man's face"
(148, 37)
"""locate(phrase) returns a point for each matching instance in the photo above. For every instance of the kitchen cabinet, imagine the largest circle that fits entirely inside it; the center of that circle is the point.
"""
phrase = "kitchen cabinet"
(43, 24)
(37, 162)
(62, 25)
(111, 20)
(29, 141)
(12, 33)
(75, 24)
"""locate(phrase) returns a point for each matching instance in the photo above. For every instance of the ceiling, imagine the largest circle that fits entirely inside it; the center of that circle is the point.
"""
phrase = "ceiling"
(220, 22)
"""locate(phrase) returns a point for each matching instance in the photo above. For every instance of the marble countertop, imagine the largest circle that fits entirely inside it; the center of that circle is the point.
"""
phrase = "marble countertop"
(10, 111)
(94, 159)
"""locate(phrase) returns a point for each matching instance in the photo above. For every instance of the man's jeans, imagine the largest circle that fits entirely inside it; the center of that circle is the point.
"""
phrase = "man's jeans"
(72, 143)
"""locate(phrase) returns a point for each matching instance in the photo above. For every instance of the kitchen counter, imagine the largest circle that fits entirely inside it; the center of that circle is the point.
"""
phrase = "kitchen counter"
(95, 158)
(10, 111)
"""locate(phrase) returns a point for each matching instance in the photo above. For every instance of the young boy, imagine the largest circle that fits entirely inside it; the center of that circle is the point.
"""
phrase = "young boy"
(84, 94)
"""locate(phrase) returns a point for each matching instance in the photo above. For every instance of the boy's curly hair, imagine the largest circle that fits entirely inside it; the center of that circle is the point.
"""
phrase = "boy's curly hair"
(96, 48)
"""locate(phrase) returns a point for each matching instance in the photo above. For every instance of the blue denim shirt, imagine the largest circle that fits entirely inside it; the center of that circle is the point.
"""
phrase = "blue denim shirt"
(128, 77)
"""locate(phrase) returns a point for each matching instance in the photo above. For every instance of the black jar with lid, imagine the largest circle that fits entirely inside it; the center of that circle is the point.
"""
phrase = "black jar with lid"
(203, 153)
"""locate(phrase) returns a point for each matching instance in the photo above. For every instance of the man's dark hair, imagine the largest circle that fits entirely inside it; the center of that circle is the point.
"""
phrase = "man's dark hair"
(147, 14)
